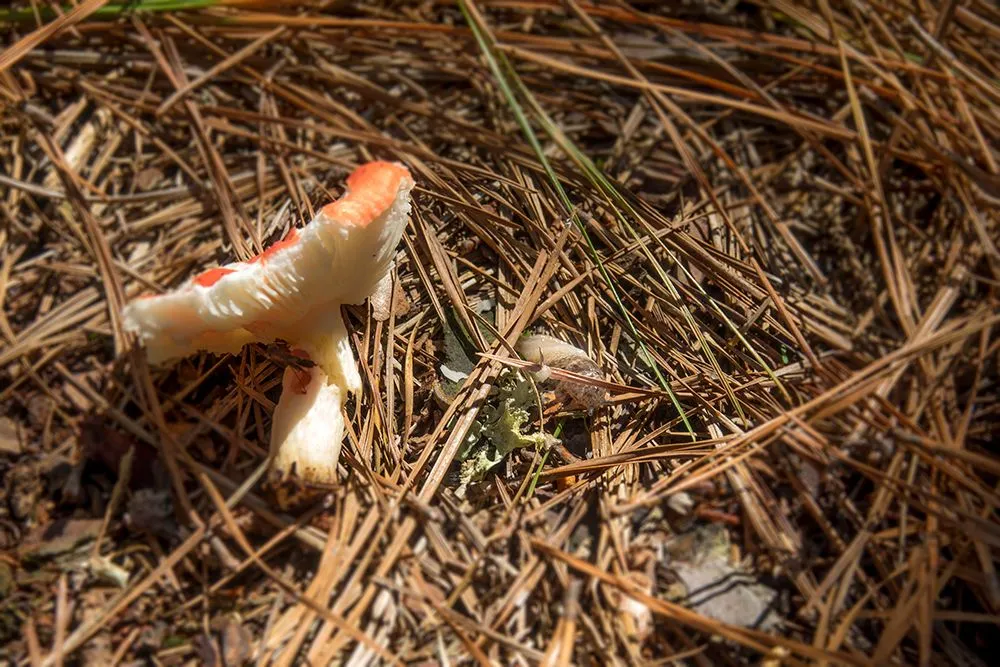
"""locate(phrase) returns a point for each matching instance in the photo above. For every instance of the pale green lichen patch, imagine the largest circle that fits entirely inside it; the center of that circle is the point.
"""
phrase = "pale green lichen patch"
(499, 430)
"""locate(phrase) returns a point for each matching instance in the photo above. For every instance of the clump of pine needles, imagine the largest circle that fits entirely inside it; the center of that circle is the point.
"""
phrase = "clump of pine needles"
(772, 224)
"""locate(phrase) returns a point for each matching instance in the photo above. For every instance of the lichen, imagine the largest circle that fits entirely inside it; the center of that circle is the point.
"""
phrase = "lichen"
(499, 430)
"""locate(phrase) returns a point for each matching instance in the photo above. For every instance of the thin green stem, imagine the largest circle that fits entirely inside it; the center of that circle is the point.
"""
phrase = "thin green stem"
(486, 46)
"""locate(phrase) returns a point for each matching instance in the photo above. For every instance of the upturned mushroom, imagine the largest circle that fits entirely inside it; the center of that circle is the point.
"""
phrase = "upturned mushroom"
(293, 292)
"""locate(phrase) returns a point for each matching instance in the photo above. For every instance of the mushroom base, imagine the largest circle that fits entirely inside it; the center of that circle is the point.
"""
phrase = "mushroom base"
(307, 427)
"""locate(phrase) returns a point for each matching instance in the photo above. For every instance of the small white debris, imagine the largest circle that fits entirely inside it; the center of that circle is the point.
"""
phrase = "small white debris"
(681, 502)
(453, 375)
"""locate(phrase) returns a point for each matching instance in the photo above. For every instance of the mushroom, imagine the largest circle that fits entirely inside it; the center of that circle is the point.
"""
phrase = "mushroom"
(293, 292)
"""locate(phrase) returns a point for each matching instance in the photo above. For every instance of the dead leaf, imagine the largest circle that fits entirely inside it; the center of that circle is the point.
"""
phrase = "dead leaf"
(713, 587)
(11, 437)
(381, 298)
(236, 643)
(147, 178)
(59, 537)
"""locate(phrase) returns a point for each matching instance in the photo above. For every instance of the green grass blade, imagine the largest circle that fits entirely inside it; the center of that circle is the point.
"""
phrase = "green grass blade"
(491, 56)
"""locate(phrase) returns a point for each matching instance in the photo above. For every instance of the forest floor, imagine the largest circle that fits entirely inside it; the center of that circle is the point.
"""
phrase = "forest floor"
(771, 226)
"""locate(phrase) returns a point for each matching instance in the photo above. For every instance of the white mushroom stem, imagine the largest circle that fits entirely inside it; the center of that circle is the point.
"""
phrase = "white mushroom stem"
(308, 421)
(308, 425)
